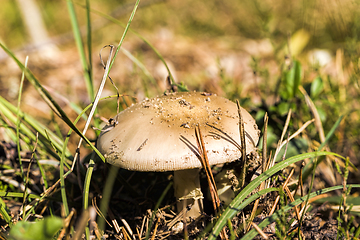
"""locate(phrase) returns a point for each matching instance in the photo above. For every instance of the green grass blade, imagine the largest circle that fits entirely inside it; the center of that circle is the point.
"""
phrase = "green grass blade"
(125, 32)
(181, 88)
(331, 132)
(251, 234)
(142, 67)
(245, 203)
(89, 43)
(6, 112)
(106, 196)
(4, 213)
(308, 168)
(231, 230)
(80, 47)
(156, 208)
(87, 190)
(19, 121)
(49, 100)
(233, 208)
(17, 195)
(9, 110)
(62, 162)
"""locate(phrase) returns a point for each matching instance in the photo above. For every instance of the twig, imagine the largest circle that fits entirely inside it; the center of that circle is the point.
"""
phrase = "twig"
(155, 229)
(259, 230)
(283, 187)
(291, 137)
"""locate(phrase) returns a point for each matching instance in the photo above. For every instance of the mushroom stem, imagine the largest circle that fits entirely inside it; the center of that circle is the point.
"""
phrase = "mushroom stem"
(188, 192)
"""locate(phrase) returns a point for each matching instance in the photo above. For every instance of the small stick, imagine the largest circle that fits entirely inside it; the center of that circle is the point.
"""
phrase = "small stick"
(301, 181)
(292, 199)
(138, 233)
(274, 206)
(114, 222)
(259, 230)
(142, 227)
(256, 204)
(155, 229)
(281, 144)
(286, 147)
(278, 197)
(26, 181)
(80, 226)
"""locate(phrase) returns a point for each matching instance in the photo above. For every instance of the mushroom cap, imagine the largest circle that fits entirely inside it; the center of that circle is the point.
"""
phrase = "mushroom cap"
(158, 134)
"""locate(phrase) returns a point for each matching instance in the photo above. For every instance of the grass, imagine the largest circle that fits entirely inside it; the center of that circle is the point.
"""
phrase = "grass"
(313, 120)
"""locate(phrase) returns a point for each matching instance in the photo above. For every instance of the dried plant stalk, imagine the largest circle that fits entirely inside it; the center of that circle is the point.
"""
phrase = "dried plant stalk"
(243, 146)
(205, 164)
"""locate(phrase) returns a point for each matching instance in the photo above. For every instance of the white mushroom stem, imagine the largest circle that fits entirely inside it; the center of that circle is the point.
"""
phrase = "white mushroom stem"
(188, 192)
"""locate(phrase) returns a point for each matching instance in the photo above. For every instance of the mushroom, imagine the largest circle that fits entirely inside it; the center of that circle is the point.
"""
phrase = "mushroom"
(158, 135)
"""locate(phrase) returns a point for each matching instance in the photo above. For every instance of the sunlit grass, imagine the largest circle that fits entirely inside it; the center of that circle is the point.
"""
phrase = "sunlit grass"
(309, 90)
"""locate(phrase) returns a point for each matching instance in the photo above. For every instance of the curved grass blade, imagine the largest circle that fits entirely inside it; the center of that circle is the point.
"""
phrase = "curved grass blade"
(77, 35)
(251, 234)
(308, 168)
(18, 122)
(49, 100)
(233, 208)
(87, 190)
(114, 20)
(9, 110)
(4, 213)
(143, 68)
(245, 203)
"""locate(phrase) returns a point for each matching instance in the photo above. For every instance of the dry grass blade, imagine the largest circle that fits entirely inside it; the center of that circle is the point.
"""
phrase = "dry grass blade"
(280, 145)
(155, 229)
(50, 189)
(67, 223)
(205, 164)
(264, 150)
(287, 122)
(264, 164)
(326, 168)
(300, 183)
(278, 197)
(253, 212)
(292, 200)
(81, 224)
(287, 190)
(212, 185)
(263, 235)
(114, 222)
(243, 146)
(92, 111)
(124, 222)
(98, 211)
(28, 172)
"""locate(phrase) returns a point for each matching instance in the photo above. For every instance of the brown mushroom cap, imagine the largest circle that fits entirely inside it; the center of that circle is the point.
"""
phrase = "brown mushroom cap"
(158, 134)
